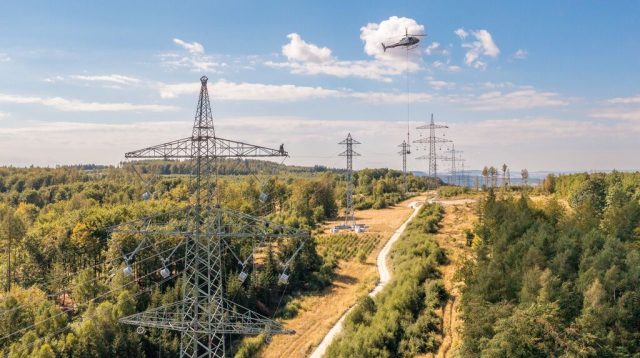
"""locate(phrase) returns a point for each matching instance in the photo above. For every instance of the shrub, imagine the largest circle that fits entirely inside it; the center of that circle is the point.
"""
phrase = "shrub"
(362, 256)
(452, 191)
(289, 310)
(468, 235)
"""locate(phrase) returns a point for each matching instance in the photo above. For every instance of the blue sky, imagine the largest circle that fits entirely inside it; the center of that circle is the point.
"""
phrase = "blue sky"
(546, 85)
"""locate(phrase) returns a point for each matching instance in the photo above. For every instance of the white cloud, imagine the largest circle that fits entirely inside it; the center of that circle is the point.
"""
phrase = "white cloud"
(373, 70)
(74, 105)
(462, 34)
(438, 84)
(230, 91)
(546, 143)
(432, 48)
(503, 95)
(390, 98)
(4, 57)
(494, 85)
(119, 79)
(520, 54)
(54, 79)
(625, 100)
(626, 114)
(194, 48)
(48, 143)
(516, 141)
(513, 131)
(195, 60)
(445, 66)
(436, 48)
(518, 99)
(4, 115)
(299, 50)
(620, 108)
(392, 29)
(482, 46)
(489, 47)
(311, 59)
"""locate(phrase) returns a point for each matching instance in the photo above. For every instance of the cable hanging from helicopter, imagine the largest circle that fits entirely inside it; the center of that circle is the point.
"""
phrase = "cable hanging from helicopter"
(408, 42)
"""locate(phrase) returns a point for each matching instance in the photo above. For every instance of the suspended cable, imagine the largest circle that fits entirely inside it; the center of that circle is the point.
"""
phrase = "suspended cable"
(173, 249)
(89, 301)
(65, 327)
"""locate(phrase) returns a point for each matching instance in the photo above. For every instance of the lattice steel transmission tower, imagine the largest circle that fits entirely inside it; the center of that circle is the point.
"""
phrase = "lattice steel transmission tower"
(349, 218)
(404, 152)
(454, 158)
(431, 141)
(463, 176)
(205, 229)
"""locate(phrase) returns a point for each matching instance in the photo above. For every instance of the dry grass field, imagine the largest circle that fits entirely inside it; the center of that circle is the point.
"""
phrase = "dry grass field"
(459, 216)
(318, 313)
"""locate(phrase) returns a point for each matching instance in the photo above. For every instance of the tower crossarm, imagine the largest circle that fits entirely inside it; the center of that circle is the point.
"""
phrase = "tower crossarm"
(219, 148)
(349, 141)
(232, 149)
(435, 140)
(236, 319)
(438, 157)
(177, 149)
(434, 126)
(346, 153)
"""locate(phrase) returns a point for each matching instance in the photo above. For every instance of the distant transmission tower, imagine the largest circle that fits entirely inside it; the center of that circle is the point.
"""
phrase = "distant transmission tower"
(349, 218)
(205, 230)
(463, 175)
(404, 152)
(431, 141)
(454, 158)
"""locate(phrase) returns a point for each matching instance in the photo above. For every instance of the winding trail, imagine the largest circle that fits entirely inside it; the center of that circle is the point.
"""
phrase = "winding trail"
(385, 276)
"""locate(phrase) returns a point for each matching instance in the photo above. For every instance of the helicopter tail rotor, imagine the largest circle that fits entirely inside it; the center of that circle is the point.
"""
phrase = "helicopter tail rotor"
(384, 48)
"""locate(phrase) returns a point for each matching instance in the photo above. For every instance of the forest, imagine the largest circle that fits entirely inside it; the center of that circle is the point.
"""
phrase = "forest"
(557, 277)
(64, 287)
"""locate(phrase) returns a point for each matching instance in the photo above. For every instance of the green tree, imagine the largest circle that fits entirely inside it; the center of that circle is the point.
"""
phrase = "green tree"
(86, 287)
(12, 230)
(524, 173)
(485, 175)
(528, 332)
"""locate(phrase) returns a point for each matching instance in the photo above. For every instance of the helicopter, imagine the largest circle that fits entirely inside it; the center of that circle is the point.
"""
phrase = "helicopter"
(408, 41)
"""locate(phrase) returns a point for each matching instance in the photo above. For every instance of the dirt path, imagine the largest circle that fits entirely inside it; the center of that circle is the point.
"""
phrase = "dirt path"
(384, 271)
(459, 215)
(385, 275)
(317, 314)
